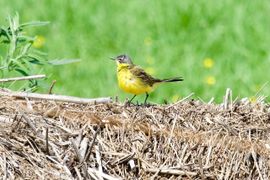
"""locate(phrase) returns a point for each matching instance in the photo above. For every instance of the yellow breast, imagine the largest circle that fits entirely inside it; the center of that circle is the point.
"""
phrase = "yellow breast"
(130, 83)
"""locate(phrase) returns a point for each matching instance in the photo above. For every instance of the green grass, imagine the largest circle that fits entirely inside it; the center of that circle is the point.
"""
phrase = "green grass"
(176, 35)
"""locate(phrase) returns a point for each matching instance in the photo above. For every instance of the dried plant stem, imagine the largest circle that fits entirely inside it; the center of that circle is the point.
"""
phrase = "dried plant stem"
(22, 78)
(98, 159)
(29, 122)
(228, 99)
(78, 173)
(171, 171)
(178, 102)
(47, 140)
(102, 174)
(73, 143)
(54, 97)
(51, 87)
(189, 140)
(254, 156)
(92, 145)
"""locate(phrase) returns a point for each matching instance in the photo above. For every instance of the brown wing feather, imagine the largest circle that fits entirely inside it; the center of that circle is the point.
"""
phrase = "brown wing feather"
(140, 73)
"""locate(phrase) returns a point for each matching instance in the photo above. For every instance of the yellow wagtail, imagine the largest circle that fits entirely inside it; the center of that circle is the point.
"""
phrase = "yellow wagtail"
(134, 80)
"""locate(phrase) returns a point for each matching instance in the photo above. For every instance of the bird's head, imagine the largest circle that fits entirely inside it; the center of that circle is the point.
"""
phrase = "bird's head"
(123, 59)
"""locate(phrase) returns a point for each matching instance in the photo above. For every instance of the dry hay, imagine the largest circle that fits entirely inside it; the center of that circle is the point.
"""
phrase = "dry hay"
(185, 140)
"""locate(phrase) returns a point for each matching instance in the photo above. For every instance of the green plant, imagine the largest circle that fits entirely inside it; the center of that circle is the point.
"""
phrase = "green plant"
(19, 56)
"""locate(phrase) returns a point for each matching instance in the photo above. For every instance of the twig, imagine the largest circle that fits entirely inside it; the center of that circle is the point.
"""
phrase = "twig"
(93, 174)
(47, 141)
(230, 167)
(51, 87)
(73, 143)
(22, 78)
(228, 99)
(171, 171)
(29, 123)
(92, 145)
(200, 164)
(208, 155)
(78, 173)
(124, 159)
(178, 102)
(102, 174)
(254, 156)
(159, 169)
(171, 133)
(83, 147)
(98, 158)
(85, 173)
(67, 171)
(18, 121)
(54, 97)
(5, 167)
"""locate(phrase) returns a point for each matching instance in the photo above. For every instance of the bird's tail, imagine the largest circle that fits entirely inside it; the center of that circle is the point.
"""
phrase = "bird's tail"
(176, 79)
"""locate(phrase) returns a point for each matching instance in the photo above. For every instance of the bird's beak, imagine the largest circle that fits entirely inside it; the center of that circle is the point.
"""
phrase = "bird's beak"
(112, 58)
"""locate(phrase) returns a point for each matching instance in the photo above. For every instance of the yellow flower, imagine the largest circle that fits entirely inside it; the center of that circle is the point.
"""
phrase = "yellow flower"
(150, 70)
(175, 98)
(210, 80)
(208, 63)
(149, 60)
(39, 41)
(148, 41)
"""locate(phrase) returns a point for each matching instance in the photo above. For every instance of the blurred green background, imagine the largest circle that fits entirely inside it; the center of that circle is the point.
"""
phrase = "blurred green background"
(212, 44)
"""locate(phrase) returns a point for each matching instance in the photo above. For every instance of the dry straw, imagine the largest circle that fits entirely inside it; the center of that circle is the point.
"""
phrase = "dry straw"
(189, 139)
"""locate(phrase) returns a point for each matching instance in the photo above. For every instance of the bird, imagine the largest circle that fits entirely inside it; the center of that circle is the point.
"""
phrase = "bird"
(134, 80)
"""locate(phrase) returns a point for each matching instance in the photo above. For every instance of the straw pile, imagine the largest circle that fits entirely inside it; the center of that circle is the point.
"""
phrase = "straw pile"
(186, 140)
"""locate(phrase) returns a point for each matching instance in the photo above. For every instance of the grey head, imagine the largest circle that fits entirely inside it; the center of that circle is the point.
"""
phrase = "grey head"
(125, 59)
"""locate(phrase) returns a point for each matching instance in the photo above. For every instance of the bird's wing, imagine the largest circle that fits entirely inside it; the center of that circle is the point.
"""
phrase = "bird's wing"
(140, 73)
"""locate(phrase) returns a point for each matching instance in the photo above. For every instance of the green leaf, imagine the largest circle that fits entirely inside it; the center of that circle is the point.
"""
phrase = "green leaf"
(5, 41)
(22, 71)
(25, 49)
(5, 33)
(34, 23)
(63, 61)
(36, 59)
(25, 39)
(21, 64)
(33, 83)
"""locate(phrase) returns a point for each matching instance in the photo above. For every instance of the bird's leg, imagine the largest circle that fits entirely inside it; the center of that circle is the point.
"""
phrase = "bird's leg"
(146, 97)
(132, 98)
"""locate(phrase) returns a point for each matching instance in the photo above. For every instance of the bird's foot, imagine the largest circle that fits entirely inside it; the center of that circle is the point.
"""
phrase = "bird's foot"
(137, 104)
(129, 104)
(146, 104)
